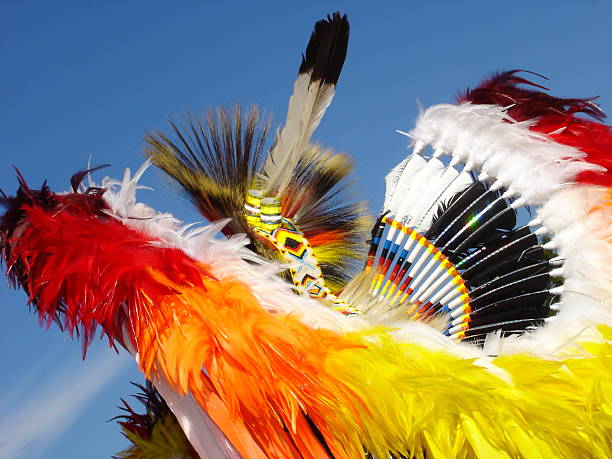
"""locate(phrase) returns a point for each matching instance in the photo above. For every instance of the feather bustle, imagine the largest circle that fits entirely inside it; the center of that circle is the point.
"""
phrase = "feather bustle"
(386, 378)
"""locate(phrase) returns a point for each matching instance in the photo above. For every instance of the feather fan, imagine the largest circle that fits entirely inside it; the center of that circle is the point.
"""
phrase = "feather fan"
(216, 160)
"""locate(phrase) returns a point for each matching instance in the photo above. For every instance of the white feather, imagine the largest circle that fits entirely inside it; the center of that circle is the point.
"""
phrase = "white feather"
(416, 186)
(411, 201)
(405, 183)
(392, 179)
(529, 162)
(307, 105)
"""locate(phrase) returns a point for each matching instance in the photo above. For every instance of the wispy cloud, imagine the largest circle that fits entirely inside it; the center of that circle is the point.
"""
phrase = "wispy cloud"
(53, 402)
(34, 372)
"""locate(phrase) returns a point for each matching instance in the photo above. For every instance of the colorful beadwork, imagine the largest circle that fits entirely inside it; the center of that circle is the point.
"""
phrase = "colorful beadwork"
(422, 276)
(265, 217)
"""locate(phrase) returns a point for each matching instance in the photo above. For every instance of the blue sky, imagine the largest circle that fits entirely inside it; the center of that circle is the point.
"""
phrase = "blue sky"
(83, 79)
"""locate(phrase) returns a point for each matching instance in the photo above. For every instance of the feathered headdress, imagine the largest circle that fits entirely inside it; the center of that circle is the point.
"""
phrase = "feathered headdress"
(479, 327)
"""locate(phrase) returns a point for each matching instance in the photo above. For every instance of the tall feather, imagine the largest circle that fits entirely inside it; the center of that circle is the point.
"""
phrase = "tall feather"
(312, 93)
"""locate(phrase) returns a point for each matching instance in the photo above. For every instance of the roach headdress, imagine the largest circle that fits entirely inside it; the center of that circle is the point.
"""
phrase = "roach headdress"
(472, 320)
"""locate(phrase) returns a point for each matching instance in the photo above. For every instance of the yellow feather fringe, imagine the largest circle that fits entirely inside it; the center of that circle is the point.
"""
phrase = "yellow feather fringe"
(431, 402)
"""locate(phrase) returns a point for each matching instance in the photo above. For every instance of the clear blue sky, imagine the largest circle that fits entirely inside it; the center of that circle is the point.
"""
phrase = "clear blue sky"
(81, 79)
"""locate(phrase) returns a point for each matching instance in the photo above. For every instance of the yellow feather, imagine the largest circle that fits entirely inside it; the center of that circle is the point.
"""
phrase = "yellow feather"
(167, 440)
(423, 400)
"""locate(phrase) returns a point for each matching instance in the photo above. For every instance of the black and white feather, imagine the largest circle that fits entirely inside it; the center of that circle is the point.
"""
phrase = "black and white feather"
(312, 93)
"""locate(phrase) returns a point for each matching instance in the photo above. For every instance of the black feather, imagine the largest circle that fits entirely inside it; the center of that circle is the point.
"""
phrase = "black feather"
(487, 218)
(326, 50)
(518, 287)
(510, 276)
(76, 179)
(514, 326)
(499, 219)
(448, 213)
(471, 218)
(511, 263)
(504, 247)
(516, 305)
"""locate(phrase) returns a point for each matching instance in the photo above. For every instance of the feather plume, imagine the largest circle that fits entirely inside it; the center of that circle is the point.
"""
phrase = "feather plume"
(214, 160)
(312, 94)
(154, 433)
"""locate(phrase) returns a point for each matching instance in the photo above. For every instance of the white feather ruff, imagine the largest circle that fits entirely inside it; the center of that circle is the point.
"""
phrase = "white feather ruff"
(530, 163)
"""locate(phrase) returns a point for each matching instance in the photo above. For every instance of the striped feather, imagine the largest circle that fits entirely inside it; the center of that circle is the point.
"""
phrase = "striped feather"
(312, 94)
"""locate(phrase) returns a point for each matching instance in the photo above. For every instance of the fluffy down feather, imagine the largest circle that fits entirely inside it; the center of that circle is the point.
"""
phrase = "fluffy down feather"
(553, 116)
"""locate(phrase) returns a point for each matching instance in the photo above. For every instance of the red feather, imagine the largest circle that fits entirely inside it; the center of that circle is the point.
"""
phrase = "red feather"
(553, 116)
(82, 267)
